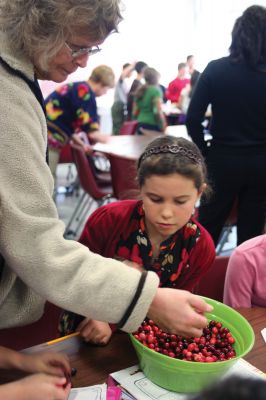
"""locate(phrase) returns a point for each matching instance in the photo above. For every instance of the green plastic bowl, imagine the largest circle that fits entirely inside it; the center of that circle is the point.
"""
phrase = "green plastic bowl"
(188, 376)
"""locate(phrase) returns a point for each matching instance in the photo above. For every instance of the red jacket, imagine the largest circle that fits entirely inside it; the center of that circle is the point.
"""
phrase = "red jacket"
(106, 225)
(174, 89)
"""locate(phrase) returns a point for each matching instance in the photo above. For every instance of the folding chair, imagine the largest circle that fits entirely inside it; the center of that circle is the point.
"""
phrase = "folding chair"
(123, 173)
(128, 128)
(66, 158)
(93, 189)
(212, 283)
(227, 229)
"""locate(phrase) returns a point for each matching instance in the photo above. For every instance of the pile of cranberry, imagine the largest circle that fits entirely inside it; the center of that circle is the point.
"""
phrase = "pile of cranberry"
(216, 343)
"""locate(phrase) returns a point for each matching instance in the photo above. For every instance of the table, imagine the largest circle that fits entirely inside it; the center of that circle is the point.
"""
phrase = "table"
(132, 146)
(123, 151)
(127, 146)
(257, 318)
(94, 364)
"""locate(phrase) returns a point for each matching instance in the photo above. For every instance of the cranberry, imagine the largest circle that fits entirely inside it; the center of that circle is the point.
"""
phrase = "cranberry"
(231, 340)
(142, 336)
(215, 344)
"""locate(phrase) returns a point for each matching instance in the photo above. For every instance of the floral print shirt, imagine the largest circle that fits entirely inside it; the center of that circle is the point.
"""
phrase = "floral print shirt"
(70, 109)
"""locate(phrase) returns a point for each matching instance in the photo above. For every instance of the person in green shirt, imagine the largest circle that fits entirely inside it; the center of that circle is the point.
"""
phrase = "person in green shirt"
(147, 107)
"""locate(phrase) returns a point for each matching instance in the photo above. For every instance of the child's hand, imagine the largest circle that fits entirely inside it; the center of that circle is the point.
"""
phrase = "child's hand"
(42, 387)
(88, 149)
(96, 332)
(96, 137)
(49, 363)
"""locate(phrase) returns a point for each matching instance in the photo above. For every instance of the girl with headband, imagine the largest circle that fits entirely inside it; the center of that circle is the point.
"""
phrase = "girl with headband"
(157, 232)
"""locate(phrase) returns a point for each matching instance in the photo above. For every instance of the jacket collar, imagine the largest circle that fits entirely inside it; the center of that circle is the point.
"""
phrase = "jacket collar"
(17, 60)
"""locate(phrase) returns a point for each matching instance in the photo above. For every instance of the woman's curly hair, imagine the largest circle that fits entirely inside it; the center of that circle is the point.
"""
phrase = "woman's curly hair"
(42, 26)
(249, 38)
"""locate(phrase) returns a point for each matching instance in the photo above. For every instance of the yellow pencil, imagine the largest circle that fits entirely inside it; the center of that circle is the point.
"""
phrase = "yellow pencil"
(61, 339)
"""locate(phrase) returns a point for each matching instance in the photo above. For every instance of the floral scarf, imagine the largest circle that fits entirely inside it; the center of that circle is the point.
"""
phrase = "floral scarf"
(174, 251)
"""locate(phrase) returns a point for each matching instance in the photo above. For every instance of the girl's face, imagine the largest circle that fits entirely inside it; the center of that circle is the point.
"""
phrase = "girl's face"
(63, 63)
(168, 203)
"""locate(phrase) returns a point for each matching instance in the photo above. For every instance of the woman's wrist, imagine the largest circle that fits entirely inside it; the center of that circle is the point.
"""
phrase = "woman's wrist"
(153, 310)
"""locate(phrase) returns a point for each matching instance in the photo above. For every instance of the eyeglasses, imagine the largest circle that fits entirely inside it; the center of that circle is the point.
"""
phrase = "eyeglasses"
(83, 51)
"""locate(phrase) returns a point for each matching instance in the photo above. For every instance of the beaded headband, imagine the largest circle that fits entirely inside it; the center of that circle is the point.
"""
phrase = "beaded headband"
(173, 149)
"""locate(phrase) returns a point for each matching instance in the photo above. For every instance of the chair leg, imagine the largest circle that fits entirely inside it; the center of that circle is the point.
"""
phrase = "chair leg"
(223, 239)
(85, 210)
(69, 172)
(76, 212)
(84, 207)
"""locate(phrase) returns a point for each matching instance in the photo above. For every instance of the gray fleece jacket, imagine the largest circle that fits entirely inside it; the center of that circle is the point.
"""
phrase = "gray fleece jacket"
(39, 264)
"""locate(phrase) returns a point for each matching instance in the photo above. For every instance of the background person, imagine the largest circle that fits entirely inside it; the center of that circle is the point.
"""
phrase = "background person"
(72, 109)
(147, 106)
(119, 108)
(188, 90)
(175, 87)
(136, 84)
(246, 275)
(235, 86)
(37, 263)
(158, 232)
(194, 74)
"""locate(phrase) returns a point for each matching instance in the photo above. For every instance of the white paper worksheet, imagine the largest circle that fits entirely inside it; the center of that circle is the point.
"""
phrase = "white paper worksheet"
(141, 388)
(97, 392)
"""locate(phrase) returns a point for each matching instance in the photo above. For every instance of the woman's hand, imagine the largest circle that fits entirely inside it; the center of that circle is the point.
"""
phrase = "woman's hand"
(133, 264)
(96, 332)
(178, 311)
(37, 387)
(48, 362)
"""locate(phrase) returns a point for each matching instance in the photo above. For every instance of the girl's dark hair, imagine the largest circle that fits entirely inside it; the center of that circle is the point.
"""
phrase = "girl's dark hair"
(151, 77)
(234, 388)
(187, 161)
(249, 38)
(139, 67)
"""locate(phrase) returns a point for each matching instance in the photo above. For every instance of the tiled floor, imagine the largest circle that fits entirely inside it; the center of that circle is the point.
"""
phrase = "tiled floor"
(66, 202)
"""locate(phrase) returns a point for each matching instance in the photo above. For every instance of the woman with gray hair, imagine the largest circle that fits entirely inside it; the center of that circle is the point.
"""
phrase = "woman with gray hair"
(50, 40)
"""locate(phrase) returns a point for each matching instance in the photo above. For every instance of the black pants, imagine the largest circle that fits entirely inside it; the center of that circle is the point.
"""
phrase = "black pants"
(235, 174)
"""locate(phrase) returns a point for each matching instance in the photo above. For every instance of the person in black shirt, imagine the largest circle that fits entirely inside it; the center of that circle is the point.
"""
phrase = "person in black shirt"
(235, 86)
(194, 74)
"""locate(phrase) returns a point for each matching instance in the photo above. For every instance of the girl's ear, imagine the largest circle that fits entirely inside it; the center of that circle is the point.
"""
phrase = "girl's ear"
(201, 190)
